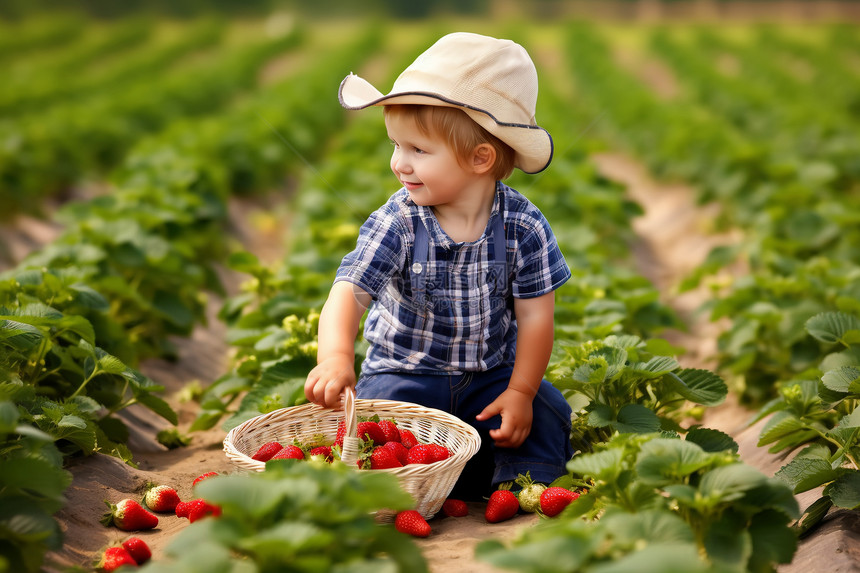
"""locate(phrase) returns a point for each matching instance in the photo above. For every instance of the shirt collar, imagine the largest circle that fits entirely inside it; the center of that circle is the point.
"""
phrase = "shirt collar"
(441, 238)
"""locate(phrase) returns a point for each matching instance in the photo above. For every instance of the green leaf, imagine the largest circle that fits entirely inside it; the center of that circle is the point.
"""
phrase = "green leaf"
(803, 474)
(845, 490)
(772, 541)
(814, 514)
(636, 418)
(35, 475)
(831, 327)
(601, 416)
(556, 554)
(663, 461)
(699, 386)
(655, 367)
(604, 465)
(845, 379)
(8, 417)
(158, 406)
(727, 541)
(728, 483)
(20, 336)
(657, 558)
(711, 440)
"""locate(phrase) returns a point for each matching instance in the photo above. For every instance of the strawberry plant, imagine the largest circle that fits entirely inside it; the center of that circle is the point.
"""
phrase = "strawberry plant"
(295, 516)
(625, 384)
(656, 503)
(819, 421)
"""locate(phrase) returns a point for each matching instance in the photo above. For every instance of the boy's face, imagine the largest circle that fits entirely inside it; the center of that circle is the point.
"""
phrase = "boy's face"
(425, 164)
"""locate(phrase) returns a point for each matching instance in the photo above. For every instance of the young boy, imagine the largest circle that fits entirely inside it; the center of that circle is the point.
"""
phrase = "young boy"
(457, 270)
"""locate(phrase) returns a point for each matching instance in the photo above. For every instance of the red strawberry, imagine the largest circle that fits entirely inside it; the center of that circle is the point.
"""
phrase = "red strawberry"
(554, 499)
(426, 454)
(161, 498)
(324, 451)
(138, 549)
(341, 432)
(400, 451)
(389, 430)
(407, 438)
(382, 458)
(439, 453)
(183, 507)
(412, 523)
(203, 477)
(290, 452)
(502, 505)
(114, 558)
(200, 508)
(266, 451)
(129, 515)
(371, 431)
(455, 508)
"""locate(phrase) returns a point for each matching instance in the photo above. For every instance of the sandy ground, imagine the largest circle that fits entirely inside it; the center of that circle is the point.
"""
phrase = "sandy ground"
(672, 241)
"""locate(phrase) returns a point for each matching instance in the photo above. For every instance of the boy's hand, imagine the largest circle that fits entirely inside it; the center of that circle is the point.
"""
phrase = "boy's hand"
(515, 407)
(327, 381)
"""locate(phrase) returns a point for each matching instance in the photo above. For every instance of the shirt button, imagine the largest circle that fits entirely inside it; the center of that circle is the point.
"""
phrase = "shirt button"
(417, 268)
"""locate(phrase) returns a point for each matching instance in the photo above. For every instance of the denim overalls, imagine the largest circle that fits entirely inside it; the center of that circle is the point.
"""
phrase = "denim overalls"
(546, 450)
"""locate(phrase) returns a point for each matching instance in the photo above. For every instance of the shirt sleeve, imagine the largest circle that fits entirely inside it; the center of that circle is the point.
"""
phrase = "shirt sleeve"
(540, 266)
(379, 252)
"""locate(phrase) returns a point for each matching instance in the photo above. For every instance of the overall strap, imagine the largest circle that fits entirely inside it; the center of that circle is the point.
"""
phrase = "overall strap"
(499, 243)
(420, 252)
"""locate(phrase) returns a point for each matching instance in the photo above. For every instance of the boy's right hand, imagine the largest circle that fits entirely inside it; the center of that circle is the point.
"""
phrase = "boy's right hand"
(328, 380)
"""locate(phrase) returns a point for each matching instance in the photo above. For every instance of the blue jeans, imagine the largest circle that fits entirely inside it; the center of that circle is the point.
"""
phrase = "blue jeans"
(544, 453)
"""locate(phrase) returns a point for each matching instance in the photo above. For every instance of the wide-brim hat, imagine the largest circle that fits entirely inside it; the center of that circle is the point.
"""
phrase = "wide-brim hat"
(494, 81)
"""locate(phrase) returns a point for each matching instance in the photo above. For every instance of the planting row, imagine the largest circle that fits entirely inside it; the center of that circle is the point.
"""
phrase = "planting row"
(131, 269)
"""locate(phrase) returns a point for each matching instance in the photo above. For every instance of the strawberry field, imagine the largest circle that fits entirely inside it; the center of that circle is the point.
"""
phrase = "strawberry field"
(178, 190)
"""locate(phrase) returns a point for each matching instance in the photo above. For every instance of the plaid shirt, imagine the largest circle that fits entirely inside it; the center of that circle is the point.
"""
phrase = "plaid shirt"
(461, 323)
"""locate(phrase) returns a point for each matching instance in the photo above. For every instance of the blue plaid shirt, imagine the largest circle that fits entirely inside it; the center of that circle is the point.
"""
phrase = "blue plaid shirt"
(462, 323)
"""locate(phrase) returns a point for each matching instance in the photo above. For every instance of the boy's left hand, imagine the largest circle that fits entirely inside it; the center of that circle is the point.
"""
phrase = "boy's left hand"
(515, 408)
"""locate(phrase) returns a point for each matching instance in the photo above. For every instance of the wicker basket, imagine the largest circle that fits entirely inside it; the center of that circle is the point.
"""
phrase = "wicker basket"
(429, 484)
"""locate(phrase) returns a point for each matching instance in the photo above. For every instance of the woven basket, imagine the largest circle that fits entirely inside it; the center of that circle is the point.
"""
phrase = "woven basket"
(429, 484)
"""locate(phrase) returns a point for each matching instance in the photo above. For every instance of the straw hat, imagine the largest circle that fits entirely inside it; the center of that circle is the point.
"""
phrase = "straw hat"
(493, 81)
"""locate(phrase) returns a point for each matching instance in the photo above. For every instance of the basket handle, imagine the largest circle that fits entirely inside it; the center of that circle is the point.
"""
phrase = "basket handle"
(351, 443)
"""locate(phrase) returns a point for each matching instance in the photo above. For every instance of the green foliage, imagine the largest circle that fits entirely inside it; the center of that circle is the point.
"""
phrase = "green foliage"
(820, 422)
(625, 384)
(651, 503)
(302, 517)
(32, 483)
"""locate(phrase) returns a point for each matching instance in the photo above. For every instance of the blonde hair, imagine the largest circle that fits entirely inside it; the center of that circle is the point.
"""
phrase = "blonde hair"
(459, 130)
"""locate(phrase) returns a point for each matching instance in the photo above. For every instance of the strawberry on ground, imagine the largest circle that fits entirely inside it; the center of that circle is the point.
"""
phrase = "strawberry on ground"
(389, 430)
(400, 451)
(290, 452)
(382, 458)
(207, 475)
(407, 438)
(138, 549)
(197, 508)
(554, 499)
(455, 508)
(371, 431)
(161, 498)
(114, 558)
(200, 508)
(265, 452)
(412, 523)
(129, 515)
(502, 505)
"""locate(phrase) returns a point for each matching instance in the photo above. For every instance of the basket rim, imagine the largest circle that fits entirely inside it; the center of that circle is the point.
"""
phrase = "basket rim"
(473, 439)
